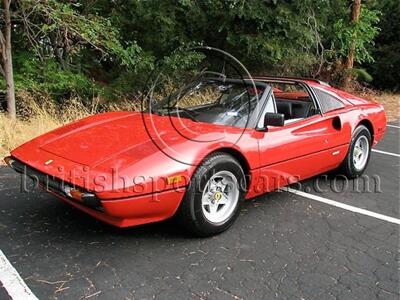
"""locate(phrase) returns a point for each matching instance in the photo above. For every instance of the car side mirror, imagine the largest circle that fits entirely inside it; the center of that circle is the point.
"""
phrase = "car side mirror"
(274, 119)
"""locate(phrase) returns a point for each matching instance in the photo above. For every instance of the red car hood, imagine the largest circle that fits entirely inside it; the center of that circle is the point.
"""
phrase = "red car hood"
(90, 143)
(132, 144)
(134, 136)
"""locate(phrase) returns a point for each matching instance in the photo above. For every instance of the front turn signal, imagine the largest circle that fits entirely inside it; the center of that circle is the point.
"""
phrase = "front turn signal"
(9, 161)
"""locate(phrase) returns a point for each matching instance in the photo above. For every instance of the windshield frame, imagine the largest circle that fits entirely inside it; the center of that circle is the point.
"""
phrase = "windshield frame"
(254, 115)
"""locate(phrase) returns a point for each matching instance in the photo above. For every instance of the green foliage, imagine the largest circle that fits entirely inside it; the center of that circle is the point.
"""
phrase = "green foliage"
(48, 77)
(109, 48)
(361, 33)
(362, 75)
(184, 58)
(55, 17)
(264, 35)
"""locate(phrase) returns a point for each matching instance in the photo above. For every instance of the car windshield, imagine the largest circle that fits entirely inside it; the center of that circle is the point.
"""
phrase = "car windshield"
(212, 101)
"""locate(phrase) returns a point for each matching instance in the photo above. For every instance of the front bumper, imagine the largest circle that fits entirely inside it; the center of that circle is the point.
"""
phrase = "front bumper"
(125, 212)
(54, 184)
(134, 211)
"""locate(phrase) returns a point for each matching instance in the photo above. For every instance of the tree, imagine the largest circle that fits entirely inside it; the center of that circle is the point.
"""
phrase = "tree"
(6, 59)
(104, 49)
(66, 29)
(355, 16)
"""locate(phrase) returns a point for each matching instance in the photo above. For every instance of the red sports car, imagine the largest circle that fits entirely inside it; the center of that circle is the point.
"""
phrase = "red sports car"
(199, 152)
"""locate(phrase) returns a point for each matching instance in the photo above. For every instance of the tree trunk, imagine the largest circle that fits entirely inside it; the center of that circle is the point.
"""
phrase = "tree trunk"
(355, 16)
(5, 41)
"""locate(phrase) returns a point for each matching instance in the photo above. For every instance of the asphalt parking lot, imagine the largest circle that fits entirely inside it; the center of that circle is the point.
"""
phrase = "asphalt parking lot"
(282, 246)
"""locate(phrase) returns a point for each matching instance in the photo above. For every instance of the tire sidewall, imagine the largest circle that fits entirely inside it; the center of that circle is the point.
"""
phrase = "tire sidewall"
(360, 130)
(197, 185)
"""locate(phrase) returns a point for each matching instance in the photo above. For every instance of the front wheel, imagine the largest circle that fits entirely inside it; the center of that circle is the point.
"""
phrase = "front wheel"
(357, 157)
(212, 201)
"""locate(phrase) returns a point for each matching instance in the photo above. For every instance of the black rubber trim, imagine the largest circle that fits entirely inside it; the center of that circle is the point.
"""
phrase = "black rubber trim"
(51, 183)
(43, 179)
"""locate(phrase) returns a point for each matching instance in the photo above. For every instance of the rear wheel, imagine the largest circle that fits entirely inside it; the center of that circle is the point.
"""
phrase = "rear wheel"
(357, 158)
(212, 201)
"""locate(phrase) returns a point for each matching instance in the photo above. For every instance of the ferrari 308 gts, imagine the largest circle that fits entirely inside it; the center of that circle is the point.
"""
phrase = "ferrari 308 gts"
(199, 152)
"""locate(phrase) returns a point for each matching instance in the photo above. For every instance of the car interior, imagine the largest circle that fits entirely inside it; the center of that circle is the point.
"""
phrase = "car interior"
(214, 101)
(230, 103)
(293, 101)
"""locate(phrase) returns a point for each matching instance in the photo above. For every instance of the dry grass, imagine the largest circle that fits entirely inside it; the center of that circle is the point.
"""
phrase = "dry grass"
(15, 132)
(40, 115)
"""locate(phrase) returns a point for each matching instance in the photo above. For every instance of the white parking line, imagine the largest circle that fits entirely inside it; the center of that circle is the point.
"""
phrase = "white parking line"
(343, 206)
(12, 282)
(384, 152)
(394, 126)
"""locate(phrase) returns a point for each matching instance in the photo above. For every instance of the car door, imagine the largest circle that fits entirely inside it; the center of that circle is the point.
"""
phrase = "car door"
(301, 149)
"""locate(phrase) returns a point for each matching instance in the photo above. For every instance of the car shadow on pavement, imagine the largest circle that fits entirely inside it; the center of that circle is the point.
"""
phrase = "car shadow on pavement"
(37, 212)
(65, 217)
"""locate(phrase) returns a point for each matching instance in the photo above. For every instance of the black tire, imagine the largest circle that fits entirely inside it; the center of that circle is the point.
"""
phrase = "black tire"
(190, 214)
(347, 167)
